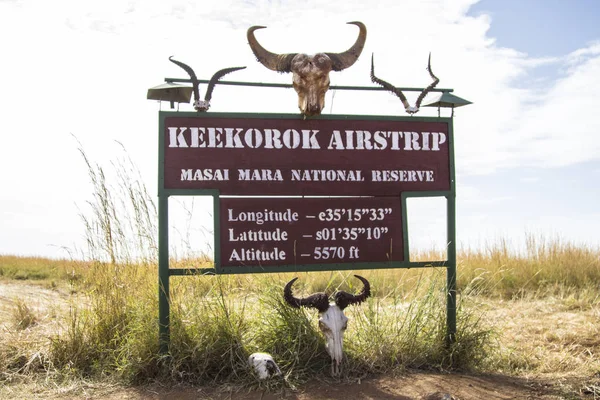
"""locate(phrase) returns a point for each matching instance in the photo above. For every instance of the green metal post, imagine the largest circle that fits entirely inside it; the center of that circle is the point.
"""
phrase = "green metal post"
(163, 274)
(451, 240)
(451, 271)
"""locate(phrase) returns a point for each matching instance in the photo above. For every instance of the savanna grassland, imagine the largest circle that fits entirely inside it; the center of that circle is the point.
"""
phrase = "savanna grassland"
(528, 321)
(533, 316)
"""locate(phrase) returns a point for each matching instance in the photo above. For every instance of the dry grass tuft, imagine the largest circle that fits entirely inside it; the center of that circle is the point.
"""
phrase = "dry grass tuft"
(24, 316)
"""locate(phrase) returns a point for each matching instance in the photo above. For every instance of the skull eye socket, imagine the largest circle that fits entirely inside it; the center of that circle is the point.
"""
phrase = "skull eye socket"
(344, 324)
(323, 327)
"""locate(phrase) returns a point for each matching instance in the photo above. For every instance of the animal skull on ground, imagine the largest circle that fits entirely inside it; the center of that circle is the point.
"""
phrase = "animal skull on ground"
(310, 72)
(264, 365)
(332, 320)
(203, 105)
(409, 109)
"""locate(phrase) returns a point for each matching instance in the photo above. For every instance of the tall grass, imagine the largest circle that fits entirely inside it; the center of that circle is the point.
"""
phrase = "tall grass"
(409, 331)
(548, 266)
(105, 334)
(120, 223)
(213, 333)
(38, 269)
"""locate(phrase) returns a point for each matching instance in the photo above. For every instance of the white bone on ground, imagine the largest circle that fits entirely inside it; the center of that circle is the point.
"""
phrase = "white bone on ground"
(264, 365)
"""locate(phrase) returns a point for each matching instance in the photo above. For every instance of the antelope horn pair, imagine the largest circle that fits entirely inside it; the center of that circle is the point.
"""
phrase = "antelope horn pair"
(200, 105)
(320, 301)
(388, 86)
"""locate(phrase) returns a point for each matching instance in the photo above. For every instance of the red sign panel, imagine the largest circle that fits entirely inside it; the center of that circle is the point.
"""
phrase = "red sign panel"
(300, 231)
(272, 156)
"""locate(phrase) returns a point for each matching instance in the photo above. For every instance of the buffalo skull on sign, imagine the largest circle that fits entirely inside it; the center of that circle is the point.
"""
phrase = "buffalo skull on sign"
(310, 72)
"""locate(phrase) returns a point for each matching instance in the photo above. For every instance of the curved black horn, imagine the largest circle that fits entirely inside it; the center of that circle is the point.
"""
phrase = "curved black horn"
(320, 301)
(387, 85)
(347, 58)
(428, 88)
(192, 75)
(344, 299)
(275, 62)
(215, 78)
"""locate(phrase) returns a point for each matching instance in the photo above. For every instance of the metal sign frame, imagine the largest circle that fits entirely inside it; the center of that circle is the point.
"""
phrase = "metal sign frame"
(165, 272)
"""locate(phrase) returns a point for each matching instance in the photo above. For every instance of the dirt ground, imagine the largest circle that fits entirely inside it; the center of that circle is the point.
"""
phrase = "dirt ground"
(414, 385)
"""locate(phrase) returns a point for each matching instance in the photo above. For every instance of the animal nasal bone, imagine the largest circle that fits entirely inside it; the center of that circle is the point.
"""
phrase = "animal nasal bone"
(336, 368)
(313, 109)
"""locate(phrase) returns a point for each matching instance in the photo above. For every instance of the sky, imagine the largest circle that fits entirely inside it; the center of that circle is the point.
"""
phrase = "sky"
(527, 150)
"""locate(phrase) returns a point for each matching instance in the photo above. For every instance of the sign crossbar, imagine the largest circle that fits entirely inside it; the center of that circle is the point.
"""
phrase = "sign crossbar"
(287, 85)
